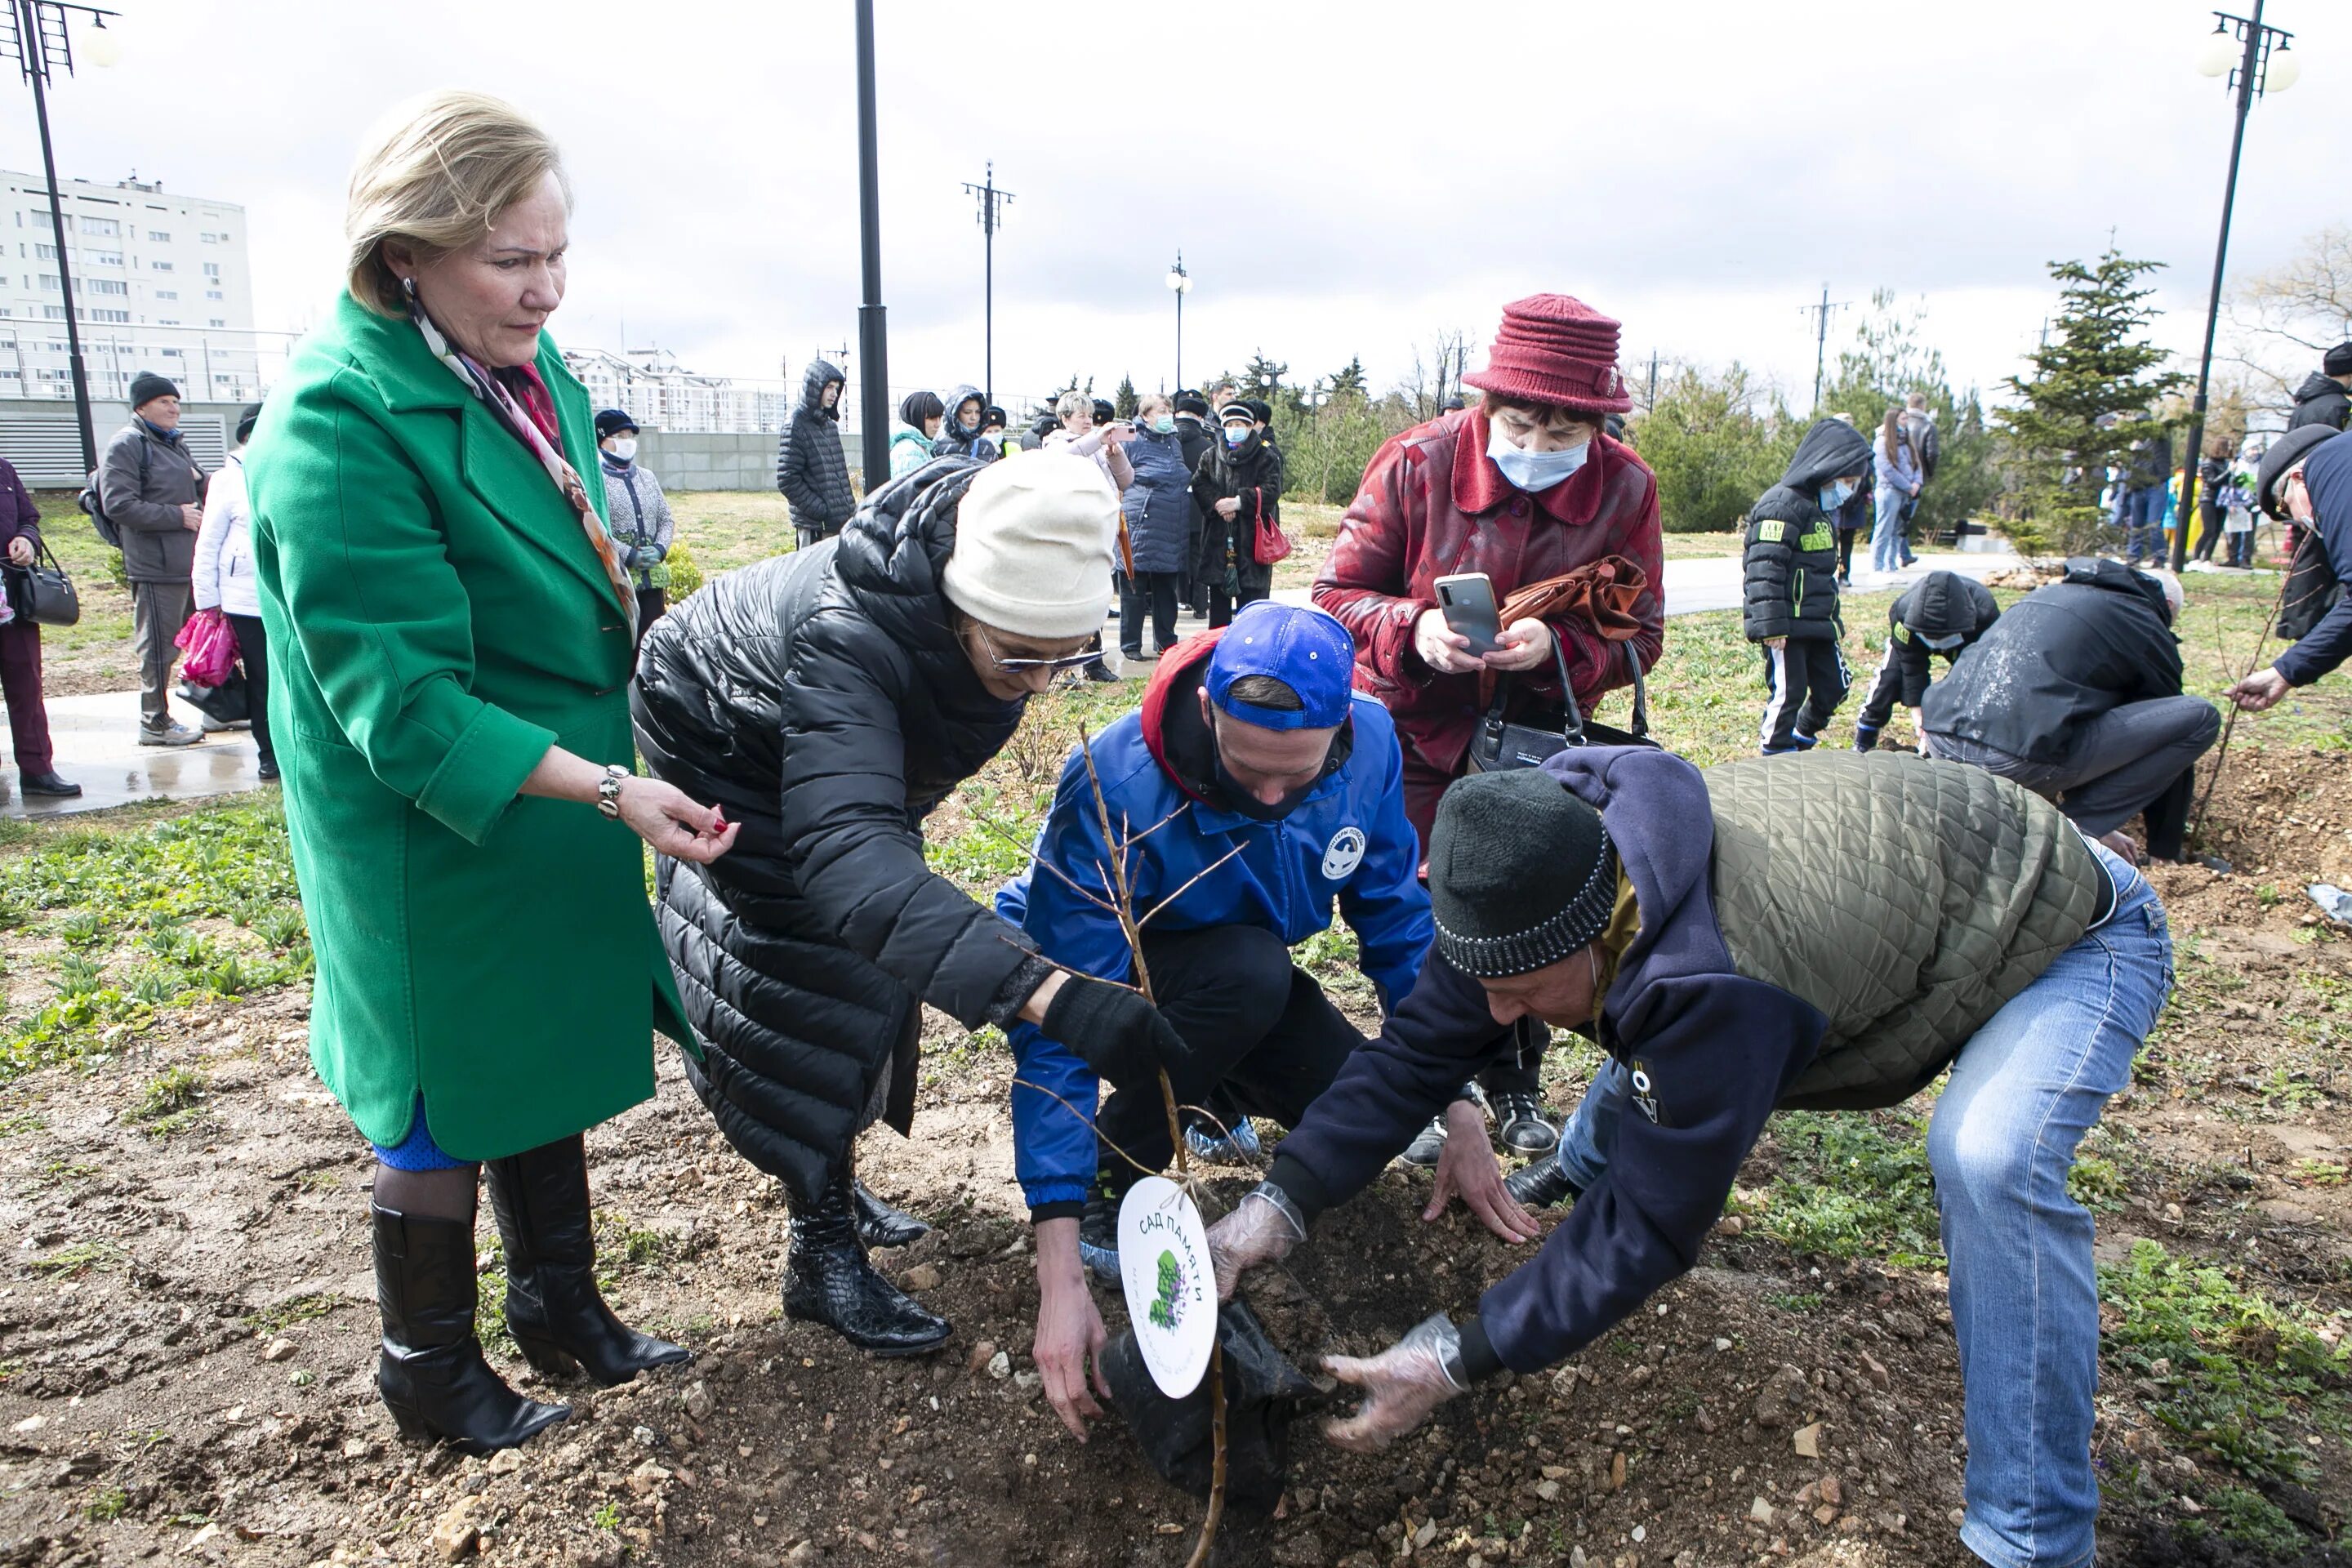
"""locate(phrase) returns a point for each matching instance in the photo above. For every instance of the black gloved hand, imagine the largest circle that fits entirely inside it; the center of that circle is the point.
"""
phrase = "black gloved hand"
(1114, 1030)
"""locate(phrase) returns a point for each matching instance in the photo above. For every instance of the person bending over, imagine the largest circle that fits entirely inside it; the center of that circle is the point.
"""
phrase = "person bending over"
(1833, 934)
(1942, 613)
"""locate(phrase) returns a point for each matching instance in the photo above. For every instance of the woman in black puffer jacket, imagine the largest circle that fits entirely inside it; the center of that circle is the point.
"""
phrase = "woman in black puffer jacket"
(1239, 480)
(827, 700)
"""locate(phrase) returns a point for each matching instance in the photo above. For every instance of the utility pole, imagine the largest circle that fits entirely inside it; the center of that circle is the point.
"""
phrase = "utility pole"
(2251, 76)
(1822, 338)
(1180, 283)
(1650, 403)
(874, 387)
(992, 213)
(41, 39)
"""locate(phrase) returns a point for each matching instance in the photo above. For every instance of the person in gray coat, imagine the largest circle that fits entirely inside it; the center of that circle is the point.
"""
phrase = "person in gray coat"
(639, 515)
(154, 492)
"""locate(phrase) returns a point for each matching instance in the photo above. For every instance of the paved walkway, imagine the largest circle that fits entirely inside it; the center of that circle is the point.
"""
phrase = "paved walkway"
(97, 741)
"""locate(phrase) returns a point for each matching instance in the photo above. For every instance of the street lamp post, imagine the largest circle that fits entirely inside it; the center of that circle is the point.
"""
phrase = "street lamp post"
(992, 213)
(2258, 59)
(874, 390)
(1180, 282)
(36, 35)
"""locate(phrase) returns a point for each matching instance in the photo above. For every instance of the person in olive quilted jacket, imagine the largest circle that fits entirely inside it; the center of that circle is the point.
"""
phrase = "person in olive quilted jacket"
(1834, 933)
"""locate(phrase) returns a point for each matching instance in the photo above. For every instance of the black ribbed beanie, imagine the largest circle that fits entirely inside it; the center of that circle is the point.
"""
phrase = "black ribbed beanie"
(1520, 873)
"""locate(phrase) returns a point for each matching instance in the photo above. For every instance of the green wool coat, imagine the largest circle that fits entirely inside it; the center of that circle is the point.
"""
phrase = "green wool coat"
(438, 618)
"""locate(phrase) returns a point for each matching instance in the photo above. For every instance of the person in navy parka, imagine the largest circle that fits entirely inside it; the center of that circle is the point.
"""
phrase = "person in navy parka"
(1248, 740)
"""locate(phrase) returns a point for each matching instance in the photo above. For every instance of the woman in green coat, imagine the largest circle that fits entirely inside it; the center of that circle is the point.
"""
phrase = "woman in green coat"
(457, 755)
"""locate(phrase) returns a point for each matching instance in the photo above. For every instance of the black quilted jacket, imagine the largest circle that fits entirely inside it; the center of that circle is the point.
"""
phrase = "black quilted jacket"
(822, 700)
(811, 472)
(1791, 552)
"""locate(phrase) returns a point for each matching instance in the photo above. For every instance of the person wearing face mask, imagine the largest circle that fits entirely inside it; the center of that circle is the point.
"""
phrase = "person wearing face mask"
(964, 432)
(920, 415)
(1237, 486)
(1249, 744)
(642, 525)
(1791, 605)
(1524, 487)
(1943, 613)
(1194, 435)
(1159, 512)
(829, 700)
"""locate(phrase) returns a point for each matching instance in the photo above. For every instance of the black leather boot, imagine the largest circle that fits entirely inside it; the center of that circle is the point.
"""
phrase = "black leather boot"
(879, 1224)
(430, 1373)
(827, 1281)
(553, 1310)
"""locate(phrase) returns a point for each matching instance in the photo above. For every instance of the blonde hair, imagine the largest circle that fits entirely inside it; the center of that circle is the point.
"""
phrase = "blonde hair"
(1154, 400)
(436, 177)
(1074, 402)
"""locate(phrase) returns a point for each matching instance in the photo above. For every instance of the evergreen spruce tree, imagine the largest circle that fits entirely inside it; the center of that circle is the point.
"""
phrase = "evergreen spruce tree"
(2094, 387)
(1124, 399)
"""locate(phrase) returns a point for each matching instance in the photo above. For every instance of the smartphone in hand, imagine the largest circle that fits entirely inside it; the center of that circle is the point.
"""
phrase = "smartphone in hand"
(1467, 602)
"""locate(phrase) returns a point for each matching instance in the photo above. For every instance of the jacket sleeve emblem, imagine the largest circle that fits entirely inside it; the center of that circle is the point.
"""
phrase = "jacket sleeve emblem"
(1770, 530)
(1645, 1096)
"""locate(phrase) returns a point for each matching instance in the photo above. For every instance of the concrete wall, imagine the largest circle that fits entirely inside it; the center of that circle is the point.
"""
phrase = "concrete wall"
(690, 460)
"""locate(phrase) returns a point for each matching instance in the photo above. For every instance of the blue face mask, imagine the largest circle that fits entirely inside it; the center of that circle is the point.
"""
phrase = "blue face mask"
(1165, 425)
(1534, 471)
(1235, 436)
(1838, 493)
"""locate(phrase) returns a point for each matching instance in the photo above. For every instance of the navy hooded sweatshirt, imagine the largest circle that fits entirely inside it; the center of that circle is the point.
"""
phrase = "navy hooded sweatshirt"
(1717, 1049)
(2327, 474)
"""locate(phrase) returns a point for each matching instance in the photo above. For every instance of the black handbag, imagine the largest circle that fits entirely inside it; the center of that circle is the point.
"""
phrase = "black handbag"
(1499, 744)
(42, 592)
(228, 703)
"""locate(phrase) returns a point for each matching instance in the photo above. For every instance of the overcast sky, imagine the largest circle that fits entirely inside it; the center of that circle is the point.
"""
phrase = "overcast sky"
(1343, 179)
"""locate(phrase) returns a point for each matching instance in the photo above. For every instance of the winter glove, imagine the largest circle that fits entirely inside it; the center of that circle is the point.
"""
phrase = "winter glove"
(628, 554)
(1865, 737)
(652, 554)
(1402, 1385)
(1114, 1030)
(1262, 1228)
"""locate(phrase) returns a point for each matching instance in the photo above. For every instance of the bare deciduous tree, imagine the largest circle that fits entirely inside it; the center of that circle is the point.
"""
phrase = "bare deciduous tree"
(2282, 321)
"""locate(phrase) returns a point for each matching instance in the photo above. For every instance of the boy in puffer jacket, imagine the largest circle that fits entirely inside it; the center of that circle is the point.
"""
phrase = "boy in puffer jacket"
(1792, 600)
(1943, 613)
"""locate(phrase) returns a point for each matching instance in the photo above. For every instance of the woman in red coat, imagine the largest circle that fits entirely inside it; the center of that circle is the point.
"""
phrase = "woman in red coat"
(1524, 486)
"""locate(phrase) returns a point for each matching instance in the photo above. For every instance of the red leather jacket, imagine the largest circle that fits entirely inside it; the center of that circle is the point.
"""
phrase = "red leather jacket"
(1432, 504)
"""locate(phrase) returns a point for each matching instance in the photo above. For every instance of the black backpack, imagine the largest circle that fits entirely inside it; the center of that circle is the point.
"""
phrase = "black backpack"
(109, 530)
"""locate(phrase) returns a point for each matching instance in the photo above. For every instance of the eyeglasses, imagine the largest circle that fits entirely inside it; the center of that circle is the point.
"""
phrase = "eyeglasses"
(1024, 666)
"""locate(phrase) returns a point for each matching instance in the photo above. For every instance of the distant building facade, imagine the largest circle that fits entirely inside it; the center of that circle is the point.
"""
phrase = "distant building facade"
(161, 282)
(662, 394)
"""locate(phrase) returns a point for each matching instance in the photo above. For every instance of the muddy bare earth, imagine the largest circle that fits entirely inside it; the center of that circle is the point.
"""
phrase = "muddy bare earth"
(187, 1328)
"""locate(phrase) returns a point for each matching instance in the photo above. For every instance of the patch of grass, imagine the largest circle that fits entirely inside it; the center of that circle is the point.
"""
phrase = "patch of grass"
(172, 1091)
(606, 1517)
(2250, 1518)
(2308, 1172)
(1854, 1185)
(2231, 1369)
(1799, 1302)
(106, 1505)
(286, 1314)
(2095, 1183)
(81, 1257)
(25, 1121)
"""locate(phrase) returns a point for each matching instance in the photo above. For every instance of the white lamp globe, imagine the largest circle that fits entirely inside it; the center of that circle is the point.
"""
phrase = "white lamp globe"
(2220, 53)
(104, 47)
(2286, 71)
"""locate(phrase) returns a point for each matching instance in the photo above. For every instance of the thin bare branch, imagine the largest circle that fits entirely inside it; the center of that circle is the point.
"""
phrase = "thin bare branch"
(1188, 883)
(1045, 865)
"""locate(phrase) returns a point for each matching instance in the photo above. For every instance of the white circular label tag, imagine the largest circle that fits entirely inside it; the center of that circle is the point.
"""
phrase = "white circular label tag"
(1171, 1294)
(1343, 853)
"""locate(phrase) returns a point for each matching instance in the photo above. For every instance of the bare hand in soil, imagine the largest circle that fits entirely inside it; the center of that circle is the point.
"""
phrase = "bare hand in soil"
(1469, 1171)
(1402, 1385)
(2259, 690)
(1257, 1231)
(1070, 1331)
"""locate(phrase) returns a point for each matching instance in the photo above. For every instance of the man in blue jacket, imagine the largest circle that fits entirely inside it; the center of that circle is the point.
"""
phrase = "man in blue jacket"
(1268, 792)
(2306, 477)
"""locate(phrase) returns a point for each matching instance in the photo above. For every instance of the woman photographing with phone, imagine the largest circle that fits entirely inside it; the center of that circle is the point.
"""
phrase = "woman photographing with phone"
(1524, 487)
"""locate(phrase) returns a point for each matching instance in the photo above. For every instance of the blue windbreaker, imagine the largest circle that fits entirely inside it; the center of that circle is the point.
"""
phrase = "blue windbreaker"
(1348, 843)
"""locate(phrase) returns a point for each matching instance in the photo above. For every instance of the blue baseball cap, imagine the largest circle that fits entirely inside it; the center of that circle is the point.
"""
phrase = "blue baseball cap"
(1306, 649)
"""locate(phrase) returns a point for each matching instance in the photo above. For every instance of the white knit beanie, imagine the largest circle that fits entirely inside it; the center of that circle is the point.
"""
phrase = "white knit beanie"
(1032, 546)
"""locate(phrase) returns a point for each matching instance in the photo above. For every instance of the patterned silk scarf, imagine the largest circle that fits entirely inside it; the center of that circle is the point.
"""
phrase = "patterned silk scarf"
(535, 437)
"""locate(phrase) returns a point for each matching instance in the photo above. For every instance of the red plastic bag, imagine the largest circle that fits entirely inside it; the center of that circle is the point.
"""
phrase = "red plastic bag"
(210, 642)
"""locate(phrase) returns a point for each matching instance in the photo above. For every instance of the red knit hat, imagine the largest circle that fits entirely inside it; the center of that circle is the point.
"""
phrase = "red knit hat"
(1556, 349)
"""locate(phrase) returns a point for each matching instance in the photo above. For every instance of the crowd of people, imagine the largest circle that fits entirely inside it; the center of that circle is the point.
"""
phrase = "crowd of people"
(467, 654)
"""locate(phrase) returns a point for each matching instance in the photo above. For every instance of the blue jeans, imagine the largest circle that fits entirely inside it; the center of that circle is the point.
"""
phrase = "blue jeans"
(1887, 536)
(2142, 514)
(2024, 1294)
